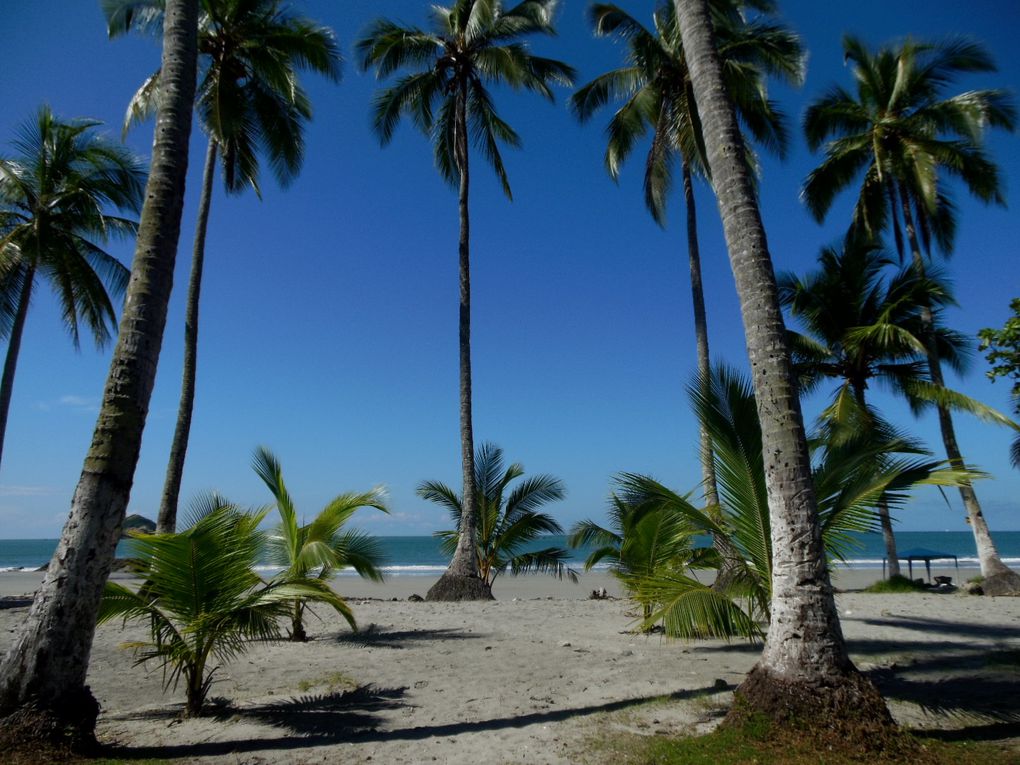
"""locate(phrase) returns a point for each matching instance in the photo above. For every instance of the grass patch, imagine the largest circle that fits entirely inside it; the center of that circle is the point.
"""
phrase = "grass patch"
(758, 743)
(895, 584)
(334, 681)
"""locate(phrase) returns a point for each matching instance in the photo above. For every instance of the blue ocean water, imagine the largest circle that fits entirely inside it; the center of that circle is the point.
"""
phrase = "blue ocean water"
(421, 556)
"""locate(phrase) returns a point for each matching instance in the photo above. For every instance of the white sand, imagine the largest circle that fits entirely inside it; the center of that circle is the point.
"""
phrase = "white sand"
(531, 678)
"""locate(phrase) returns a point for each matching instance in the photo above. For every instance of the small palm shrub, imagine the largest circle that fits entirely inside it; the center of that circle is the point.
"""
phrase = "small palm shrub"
(202, 599)
(321, 547)
(851, 475)
(506, 523)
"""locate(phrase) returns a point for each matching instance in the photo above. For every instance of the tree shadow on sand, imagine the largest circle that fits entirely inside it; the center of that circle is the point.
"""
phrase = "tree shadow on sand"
(351, 717)
(374, 636)
(975, 690)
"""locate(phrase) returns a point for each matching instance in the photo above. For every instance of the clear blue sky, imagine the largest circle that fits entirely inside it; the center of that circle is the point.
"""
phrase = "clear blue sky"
(330, 308)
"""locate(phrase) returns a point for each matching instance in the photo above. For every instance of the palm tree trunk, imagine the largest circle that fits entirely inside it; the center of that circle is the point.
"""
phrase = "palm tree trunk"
(804, 671)
(884, 519)
(700, 334)
(42, 677)
(991, 564)
(889, 538)
(167, 522)
(461, 580)
(297, 626)
(13, 349)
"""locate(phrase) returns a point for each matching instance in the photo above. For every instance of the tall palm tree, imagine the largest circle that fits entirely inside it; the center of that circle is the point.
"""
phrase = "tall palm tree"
(656, 89)
(472, 44)
(507, 522)
(902, 135)
(42, 677)
(53, 219)
(804, 666)
(249, 103)
(863, 328)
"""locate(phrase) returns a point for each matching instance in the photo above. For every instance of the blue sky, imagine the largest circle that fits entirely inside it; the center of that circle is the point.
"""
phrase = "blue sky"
(329, 308)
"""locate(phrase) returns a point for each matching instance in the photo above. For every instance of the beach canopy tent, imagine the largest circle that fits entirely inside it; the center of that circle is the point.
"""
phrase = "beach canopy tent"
(921, 553)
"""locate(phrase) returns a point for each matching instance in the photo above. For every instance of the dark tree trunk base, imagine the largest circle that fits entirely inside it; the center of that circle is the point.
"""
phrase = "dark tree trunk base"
(1004, 583)
(452, 587)
(850, 710)
(38, 731)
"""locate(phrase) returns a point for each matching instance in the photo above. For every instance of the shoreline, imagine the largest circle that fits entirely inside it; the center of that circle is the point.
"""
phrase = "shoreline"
(525, 587)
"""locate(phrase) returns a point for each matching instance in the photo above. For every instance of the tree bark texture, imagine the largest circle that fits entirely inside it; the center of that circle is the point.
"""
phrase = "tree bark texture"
(988, 555)
(167, 521)
(44, 671)
(13, 349)
(804, 650)
(461, 580)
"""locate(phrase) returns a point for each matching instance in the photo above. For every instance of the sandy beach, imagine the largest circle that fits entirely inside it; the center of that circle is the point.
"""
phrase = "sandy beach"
(538, 676)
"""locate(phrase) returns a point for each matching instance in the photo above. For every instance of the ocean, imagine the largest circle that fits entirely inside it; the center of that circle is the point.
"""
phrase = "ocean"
(420, 556)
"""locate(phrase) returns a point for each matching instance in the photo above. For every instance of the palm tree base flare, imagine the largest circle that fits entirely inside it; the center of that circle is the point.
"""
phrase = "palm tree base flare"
(38, 732)
(1002, 583)
(847, 707)
(455, 587)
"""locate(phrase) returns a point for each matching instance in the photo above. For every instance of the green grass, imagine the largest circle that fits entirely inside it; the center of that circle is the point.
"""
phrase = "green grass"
(333, 681)
(895, 584)
(757, 743)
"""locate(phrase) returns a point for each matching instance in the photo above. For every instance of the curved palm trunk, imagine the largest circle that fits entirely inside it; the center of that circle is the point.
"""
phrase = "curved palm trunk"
(13, 349)
(42, 677)
(167, 522)
(988, 555)
(461, 580)
(804, 670)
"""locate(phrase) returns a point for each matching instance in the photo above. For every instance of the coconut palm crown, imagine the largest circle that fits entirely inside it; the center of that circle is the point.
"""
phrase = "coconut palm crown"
(655, 88)
(472, 45)
(900, 134)
(507, 522)
(56, 192)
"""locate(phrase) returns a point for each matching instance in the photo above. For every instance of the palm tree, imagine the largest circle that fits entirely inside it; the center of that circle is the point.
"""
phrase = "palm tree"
(656, 89)
(322, 545)
(1002, 351)
(42, 677)
(53, 219)
(849, 480)
(506, 523)
(473, 43)
(249, 102)
(862, 329)
(902, 135)
(202, 598)
(643, 539)
(804, 668)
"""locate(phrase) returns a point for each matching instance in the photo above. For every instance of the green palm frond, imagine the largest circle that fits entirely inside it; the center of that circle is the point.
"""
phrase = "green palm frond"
(324, 545)
(654, 89)
(506, 523)
(474, 44)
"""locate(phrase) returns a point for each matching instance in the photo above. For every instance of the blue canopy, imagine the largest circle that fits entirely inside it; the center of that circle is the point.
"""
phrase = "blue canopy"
(922, 553)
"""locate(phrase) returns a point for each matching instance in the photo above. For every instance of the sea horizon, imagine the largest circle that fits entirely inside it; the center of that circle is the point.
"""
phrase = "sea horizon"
(420, 555)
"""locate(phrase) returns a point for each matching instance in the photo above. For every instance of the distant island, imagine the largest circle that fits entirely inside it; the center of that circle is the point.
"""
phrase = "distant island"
(137, 523)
